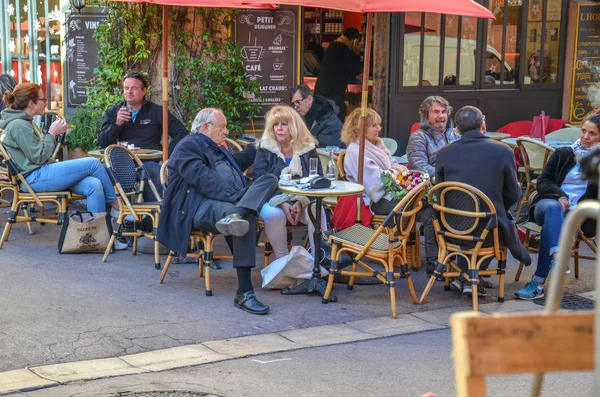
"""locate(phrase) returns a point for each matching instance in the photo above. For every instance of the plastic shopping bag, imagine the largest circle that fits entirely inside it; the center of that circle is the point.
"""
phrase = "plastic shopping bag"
(290, 270)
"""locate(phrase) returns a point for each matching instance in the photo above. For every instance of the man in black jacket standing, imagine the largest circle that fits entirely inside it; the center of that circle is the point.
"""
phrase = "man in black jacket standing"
(138, 121)
(319, 115)
(489, 166)
(340, 65)
(208, 191)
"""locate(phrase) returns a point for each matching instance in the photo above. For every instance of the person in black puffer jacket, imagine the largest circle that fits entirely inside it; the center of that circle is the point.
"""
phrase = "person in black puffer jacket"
(560, 189)
(319, 114)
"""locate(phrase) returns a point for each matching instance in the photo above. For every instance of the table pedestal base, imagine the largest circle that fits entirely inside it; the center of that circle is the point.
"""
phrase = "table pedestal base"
(310, 286)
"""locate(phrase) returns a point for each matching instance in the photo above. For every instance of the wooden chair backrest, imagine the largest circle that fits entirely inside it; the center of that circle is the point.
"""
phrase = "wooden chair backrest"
(14, 175)
(164, 175)
(340, 165)
(535, 154)
(234, 145)
(515, 343)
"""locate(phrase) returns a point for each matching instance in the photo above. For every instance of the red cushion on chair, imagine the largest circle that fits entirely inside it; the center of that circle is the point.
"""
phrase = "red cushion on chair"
(414, 127)
(517, 128)
(555, 124)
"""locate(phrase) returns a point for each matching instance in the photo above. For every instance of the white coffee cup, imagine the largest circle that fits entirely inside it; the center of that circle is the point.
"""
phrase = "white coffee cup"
(285, 179)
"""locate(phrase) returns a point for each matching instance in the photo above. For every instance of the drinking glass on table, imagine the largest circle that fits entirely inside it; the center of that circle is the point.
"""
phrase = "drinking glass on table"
(313, 166)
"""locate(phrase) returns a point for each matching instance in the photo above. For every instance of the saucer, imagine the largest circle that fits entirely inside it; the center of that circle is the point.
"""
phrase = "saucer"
(281, 183)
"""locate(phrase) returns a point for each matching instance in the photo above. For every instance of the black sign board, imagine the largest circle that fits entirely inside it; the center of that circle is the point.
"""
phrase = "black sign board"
(82, 55)
(585, 96)
(269, 44)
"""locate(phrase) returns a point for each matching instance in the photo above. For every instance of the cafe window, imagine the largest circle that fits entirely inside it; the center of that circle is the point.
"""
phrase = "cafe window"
(30, 44)
(457, 52)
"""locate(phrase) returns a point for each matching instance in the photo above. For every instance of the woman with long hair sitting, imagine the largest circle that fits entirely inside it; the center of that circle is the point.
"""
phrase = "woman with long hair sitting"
(285, 147)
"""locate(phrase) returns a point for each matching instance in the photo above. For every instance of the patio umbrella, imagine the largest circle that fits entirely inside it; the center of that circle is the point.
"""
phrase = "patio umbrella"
(453, 7)
(165, 46)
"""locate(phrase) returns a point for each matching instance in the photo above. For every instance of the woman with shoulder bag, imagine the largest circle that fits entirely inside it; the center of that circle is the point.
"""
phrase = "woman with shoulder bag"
(285, 147)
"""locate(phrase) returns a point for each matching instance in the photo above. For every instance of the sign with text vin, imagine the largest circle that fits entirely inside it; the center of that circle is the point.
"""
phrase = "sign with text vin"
(585, 97)
(268, 40)
(81, 55)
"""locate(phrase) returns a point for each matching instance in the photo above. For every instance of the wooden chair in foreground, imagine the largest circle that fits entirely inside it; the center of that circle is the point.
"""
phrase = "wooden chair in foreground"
(466, 227)
(21, 200)
(129, 178)
(536, 343)
(532, 227)
(385, 245)
(205, 248)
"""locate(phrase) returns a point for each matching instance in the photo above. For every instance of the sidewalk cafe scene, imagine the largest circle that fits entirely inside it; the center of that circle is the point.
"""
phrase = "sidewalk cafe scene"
(198, 174)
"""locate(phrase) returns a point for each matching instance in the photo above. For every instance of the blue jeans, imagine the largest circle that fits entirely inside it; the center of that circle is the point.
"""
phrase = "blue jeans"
(549, 214)
(86, 177)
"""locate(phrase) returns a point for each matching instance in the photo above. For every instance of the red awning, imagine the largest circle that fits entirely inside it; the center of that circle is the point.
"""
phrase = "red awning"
(453, 7)
(205, 3)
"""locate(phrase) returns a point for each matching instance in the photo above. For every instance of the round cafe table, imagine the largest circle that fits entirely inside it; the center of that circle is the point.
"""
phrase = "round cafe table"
(497, 136)
(142, 154)
(554, 143)
(341, 188)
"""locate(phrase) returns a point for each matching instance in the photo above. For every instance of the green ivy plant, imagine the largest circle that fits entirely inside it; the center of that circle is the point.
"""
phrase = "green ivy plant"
(207, 68)
(84, 133)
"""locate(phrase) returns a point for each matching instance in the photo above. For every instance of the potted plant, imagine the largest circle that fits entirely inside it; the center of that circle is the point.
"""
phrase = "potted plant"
(83, 136)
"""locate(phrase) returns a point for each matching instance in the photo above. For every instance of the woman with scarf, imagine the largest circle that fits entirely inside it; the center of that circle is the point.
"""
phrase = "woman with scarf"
(377, 159)
(560, 188)
(285, 147)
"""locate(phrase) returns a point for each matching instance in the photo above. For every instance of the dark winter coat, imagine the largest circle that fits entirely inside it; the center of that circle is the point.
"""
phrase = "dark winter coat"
(193, 177)
(323, 122)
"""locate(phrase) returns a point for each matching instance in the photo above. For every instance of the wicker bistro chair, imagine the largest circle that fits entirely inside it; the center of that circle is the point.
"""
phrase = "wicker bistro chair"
(466, 226)
(129, 178)
(386, 245)
(532, 229)
(206, 247)
(534, 155)
(21, 200)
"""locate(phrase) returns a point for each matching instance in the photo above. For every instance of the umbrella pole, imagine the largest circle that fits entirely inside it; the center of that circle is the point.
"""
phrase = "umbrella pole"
(363, 104)
(165, 83)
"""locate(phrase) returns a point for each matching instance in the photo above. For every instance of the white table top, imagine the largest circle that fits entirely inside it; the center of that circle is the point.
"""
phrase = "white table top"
(497, 136)
(342, 188)
(555, 143)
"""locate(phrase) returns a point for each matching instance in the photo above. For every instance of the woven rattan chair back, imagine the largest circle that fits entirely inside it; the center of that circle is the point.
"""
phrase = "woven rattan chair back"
(534, 154)
(233, 145)
(124, 167)
(164, 175)
(466, 227)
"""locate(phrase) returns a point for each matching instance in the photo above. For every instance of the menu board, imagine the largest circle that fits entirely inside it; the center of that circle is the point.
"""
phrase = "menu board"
(268, 40)
(81, 55)
(585, 96)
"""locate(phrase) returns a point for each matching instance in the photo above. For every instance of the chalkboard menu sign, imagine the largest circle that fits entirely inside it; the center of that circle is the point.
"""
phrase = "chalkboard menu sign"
(585, 96)
(269, 44)
(81, 55)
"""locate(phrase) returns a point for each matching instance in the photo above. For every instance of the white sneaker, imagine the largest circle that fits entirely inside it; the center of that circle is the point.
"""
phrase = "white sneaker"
(568, 271)
(119, 246)
(115, 214)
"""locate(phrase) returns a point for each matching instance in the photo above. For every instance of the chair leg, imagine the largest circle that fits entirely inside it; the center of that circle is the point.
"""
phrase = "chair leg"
(519, 270)
(502, 268)
(393, 298)
(166, 268)
(350, 285)
(5, 233)
(268, 251)
(156, 253)
(208, 252)
(111, 242)
(135, 245)
(576, 257)
(427, 289)
(26, 213)
(333, 271)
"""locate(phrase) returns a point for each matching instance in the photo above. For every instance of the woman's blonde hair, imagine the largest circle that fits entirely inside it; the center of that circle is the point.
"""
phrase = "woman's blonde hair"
(301, 136)
(351, 128)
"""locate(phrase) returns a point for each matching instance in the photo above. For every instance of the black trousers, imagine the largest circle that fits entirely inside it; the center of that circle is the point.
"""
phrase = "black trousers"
(256, 195)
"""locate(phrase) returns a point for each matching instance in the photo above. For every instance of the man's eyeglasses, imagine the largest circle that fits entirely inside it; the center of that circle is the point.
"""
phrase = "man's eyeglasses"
(299, 101)
(221, 128)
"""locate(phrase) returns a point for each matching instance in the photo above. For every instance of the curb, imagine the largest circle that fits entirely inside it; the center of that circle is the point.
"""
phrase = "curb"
(40, 377)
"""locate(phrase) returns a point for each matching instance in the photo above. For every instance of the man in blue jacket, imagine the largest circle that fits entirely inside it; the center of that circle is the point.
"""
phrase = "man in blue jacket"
(138, 121)
(208, 191)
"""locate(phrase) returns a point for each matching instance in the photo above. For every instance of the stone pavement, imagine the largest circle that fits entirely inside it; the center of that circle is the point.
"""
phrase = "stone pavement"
(62, 309)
